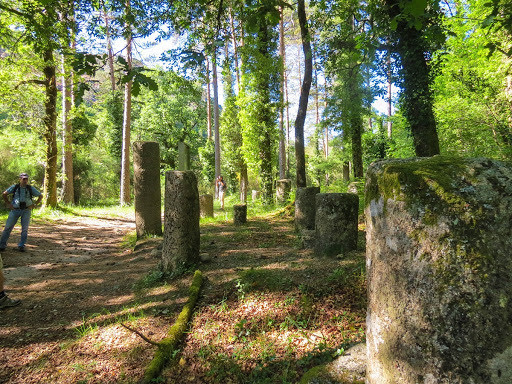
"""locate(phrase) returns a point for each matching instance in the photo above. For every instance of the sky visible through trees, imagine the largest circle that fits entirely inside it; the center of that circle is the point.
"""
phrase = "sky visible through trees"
(447, 64)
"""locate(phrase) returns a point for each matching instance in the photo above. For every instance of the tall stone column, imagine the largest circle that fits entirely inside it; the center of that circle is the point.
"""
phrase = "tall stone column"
(183, 156)
(148, 197)
(181, 221)
(336, 223)
(439, 241)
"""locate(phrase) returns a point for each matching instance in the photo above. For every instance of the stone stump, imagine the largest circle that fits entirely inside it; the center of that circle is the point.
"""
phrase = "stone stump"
(181, 220)
(256, 195)
(439, 241)
(336, 223)
(148, 196)
(305, 208)
(240, 214)
(283, 188)
(183, 156)
(206, 205)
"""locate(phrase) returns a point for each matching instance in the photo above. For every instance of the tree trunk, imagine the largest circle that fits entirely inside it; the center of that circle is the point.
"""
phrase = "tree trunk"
(50, 135)
(390, 105)
(67, 138)
(417, 96)
(125, 159)
(208, 102)
(216, 114)
(282, 145)
(235, 48)
(244, 182)
(304, 95)
(357, 151)
(109, 49)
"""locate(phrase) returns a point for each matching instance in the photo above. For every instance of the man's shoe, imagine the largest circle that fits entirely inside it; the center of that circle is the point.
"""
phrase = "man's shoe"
(6, 302)
(21, 249)
(2, 249)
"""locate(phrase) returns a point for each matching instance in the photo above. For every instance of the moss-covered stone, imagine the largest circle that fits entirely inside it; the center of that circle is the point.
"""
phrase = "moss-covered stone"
(439, 268)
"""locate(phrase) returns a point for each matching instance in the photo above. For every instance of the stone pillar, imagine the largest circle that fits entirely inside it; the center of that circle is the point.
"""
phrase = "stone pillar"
(181, 220)
(439, 238)
(183, 156)
(283, 188)
(336, 223)
(256, 195)
(148, 196)
(206, 205)
(305, 208)
(240, 214)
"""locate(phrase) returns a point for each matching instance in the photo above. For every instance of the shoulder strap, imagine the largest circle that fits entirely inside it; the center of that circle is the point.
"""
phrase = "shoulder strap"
(17, 186)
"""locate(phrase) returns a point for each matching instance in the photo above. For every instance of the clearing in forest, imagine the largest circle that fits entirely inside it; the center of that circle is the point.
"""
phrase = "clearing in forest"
(268, 310)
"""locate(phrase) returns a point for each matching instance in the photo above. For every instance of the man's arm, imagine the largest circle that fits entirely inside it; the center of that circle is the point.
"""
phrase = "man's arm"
(5, 195)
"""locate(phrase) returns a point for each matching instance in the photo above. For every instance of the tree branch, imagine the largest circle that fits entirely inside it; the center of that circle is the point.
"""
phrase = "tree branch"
(141, 335)
(34, 81)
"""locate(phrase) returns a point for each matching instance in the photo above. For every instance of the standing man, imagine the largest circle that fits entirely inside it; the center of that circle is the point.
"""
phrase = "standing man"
(20, 206)
(221, 188)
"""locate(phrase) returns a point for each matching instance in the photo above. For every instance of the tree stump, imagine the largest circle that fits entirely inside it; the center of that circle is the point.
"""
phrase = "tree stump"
(206, 206)
(336, 223)
(283, 188)
(148, 196)
(181, 221)
(240, 214)
(439, 237)
(305, 208)
(183, 156)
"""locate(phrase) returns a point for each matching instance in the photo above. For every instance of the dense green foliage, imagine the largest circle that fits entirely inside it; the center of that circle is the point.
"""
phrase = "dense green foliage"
(450, 62)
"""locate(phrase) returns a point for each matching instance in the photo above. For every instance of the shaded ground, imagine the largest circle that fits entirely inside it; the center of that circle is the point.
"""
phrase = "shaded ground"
(267, 313)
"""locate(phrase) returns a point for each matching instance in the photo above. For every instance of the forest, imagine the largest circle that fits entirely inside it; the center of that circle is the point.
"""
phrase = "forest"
(259, 90)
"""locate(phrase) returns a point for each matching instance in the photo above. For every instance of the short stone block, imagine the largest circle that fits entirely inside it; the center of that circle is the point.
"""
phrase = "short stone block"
(283, 188)
(206, 206)
(336, 223)
(305, 208)
(240, 214)
(439, 238)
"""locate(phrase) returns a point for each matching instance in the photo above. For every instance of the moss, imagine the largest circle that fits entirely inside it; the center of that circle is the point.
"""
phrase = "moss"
(167, 346)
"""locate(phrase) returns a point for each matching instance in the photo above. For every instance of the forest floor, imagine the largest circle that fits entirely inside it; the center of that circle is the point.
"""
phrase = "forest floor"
(268, 310)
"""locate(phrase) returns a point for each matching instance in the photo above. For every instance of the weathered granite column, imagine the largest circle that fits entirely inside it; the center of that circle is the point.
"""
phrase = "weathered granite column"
(181, 220)
(336, 223)
(283, 188)
(305, 208)
(439, 241)
(183, 156)
(206, 205)
(240, 214)
(148, 197)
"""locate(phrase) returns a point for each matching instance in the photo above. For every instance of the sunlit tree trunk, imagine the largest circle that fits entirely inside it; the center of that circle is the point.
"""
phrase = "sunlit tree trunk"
(109, 48)
(67, 137)
(125, 159)
(208, 102)
(50, 134)
(235, 49)
(390, 84)
(216, 124)
(282, 145)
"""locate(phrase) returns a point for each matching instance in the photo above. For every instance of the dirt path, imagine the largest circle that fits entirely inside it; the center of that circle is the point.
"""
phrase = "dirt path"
(70, 270)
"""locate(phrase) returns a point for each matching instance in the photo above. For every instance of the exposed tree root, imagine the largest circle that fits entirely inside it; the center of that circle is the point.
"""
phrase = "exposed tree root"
(175, 334)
